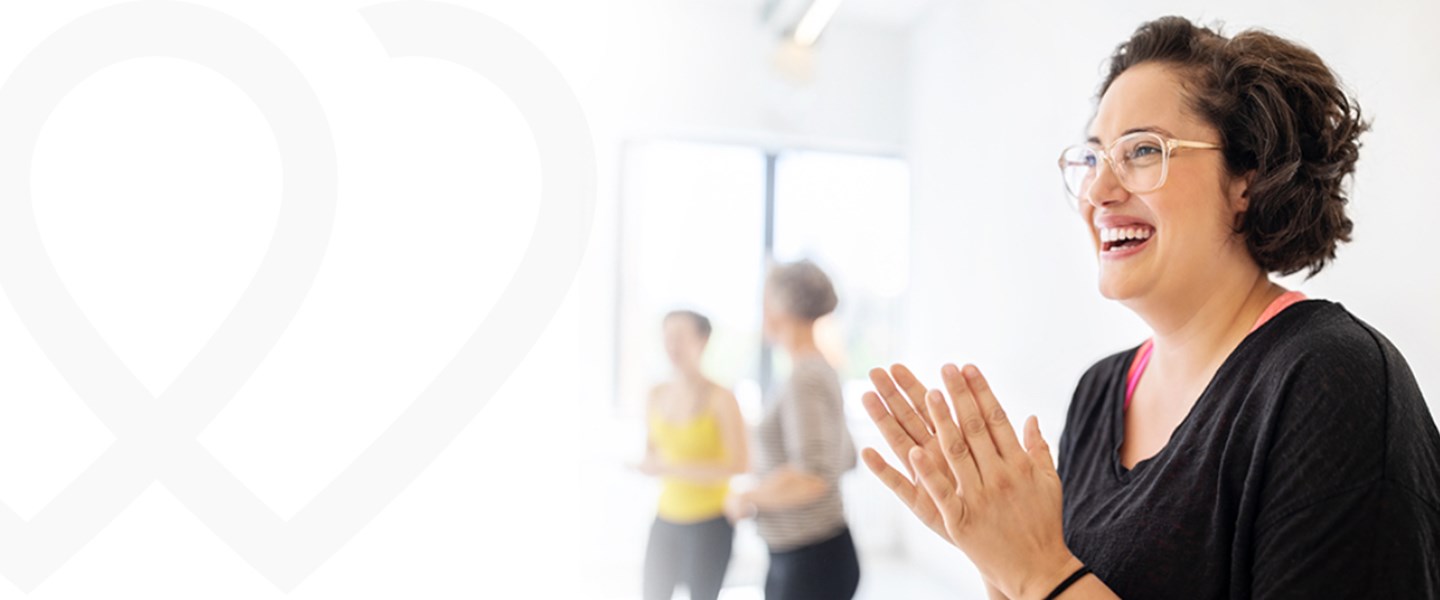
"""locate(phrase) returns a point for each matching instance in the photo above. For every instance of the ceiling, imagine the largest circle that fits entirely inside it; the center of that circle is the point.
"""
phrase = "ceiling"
(900, 13)
(890, 13)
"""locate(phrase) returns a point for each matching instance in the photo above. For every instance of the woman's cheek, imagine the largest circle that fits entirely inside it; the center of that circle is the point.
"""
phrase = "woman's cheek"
(1087, 216)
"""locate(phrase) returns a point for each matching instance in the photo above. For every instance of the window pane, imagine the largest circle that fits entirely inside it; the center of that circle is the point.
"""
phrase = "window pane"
(692, 225)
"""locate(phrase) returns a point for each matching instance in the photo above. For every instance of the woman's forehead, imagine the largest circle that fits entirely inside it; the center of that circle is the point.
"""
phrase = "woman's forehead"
(1146, 97)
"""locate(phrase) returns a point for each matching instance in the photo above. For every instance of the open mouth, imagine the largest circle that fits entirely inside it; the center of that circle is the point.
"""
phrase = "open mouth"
(1121, 239)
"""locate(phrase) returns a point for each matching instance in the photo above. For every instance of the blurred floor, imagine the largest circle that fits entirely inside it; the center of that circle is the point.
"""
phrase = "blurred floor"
(881, 579)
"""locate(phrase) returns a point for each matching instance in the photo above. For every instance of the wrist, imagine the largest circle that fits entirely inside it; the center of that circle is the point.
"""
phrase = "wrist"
(1042, 580)
(747, 503)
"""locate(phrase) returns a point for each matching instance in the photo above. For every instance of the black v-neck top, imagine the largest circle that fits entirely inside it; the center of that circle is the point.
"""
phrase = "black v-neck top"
(1308, 468)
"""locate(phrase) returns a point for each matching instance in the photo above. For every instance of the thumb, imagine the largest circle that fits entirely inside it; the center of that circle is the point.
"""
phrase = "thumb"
(1036, 447)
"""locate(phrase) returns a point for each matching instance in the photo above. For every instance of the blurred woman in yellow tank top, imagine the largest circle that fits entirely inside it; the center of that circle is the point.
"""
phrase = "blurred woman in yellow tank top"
(695, 443)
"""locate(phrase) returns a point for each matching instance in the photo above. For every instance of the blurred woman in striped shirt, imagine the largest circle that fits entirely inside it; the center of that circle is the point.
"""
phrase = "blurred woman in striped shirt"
(803, 450)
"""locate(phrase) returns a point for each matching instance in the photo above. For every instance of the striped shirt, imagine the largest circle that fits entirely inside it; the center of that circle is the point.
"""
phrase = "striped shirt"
(804, 428)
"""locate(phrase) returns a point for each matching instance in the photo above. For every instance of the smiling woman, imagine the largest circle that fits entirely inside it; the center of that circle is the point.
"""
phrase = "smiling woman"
(1258, 444)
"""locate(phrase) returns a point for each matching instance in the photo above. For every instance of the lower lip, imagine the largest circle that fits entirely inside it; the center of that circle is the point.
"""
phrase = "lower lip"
(1127, 251)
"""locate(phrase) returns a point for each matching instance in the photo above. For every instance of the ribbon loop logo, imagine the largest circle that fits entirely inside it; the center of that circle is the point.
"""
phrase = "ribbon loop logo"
(155, 440)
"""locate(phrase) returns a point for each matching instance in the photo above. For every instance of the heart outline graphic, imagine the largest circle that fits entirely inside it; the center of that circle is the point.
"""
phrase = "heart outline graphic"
(155, 441)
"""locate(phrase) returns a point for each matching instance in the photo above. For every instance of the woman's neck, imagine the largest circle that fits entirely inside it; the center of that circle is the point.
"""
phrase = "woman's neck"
(1193, 336)
(691, 378)
(801, 342)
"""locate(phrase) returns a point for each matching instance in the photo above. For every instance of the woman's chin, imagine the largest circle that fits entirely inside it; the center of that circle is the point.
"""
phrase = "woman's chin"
(1115, 288)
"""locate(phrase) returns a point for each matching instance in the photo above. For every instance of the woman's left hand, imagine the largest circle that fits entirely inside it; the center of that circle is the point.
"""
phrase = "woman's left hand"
(998, 502)
(738, 508)
(650, 465)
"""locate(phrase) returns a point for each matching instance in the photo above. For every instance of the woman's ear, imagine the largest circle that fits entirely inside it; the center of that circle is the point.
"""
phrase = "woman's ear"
(1238, 192)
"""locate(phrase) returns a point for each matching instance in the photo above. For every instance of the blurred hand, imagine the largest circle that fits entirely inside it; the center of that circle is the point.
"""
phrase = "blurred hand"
(650, 465)
(738, 508)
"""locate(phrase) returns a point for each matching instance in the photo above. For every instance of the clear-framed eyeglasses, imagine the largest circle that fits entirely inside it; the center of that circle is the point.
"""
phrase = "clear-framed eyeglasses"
(1139, 160)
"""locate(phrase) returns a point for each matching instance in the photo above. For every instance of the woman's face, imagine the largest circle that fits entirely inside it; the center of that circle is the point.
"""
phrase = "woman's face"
(683, 344)
(773, 318)
(1189, 219)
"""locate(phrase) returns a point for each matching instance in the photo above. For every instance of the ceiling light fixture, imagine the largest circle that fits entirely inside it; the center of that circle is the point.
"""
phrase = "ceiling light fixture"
(814, 21)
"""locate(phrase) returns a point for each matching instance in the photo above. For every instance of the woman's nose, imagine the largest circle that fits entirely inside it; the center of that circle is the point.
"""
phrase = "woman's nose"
(1106, 189)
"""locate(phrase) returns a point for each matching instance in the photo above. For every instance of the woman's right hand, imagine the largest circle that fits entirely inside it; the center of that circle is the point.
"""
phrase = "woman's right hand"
(902, 400)
(905, 397)
(1008, 522)
(649, 466)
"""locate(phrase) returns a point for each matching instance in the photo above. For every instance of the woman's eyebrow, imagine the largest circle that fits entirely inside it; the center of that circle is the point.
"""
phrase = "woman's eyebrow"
(1149, 128)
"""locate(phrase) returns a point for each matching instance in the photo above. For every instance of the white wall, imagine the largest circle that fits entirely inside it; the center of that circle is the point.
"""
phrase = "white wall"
(1003, 274)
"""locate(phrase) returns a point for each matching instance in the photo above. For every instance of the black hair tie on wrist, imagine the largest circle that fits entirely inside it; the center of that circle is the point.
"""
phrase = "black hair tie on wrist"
(1069, 581)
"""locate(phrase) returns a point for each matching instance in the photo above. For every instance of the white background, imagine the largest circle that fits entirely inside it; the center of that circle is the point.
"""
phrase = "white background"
(156, 187)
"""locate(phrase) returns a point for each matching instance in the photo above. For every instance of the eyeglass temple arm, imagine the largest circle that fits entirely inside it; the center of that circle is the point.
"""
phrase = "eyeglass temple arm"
(1189, 144)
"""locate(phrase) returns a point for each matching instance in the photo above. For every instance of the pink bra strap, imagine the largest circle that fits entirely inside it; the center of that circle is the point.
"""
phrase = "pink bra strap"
(1277, 305)
(1138, 369)
(1142, 358)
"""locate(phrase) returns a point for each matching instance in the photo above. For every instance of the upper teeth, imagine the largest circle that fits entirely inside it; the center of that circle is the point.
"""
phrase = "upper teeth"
(1125, 233)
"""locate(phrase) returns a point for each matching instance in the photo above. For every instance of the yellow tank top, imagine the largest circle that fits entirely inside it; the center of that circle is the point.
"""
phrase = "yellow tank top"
(695, 441)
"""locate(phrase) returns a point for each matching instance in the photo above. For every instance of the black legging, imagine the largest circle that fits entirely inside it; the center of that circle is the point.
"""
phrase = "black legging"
(827, 570)
(694, 553)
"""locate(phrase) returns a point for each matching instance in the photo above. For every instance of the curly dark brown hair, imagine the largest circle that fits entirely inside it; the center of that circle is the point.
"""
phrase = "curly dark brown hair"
(1284, 120)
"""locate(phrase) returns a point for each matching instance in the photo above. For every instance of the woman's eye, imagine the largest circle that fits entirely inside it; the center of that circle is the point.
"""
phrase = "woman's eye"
(1144, 151)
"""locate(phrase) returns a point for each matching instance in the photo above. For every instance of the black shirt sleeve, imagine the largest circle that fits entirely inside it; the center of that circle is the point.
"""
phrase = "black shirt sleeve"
(1331, 521)
(1362, 542)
